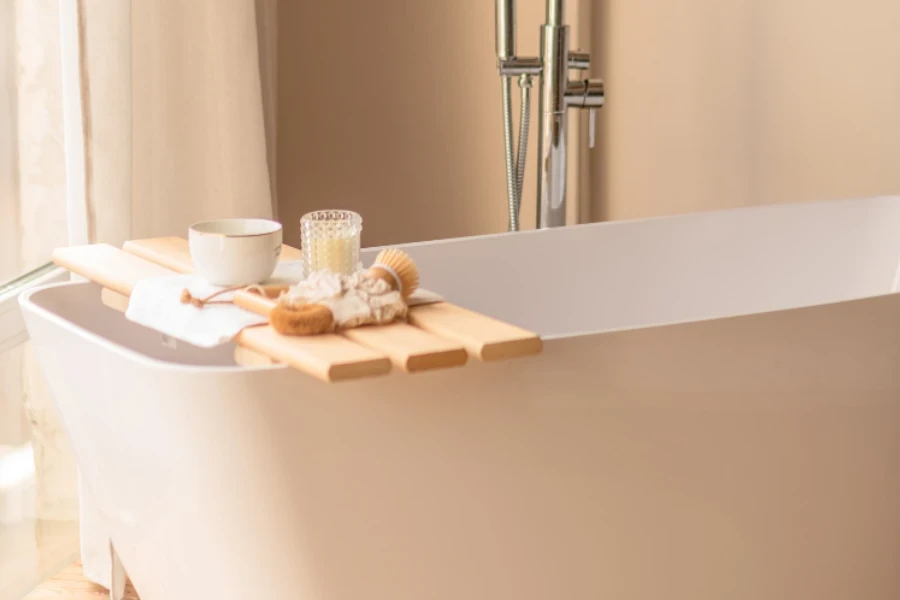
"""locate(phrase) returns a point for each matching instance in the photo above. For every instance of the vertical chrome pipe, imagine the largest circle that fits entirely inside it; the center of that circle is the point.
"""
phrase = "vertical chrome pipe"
(505, 21)
(556, 95)
(551, 205)
(555, 9)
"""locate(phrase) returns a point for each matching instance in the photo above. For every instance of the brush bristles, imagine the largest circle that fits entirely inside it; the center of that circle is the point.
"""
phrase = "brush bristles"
(400, 262)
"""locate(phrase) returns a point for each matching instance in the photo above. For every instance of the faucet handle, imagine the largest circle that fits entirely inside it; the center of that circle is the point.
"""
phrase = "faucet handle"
(587, 93)
(579, 60)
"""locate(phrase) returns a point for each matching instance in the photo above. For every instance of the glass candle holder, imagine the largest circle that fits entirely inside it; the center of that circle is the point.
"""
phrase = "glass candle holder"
(330, 240)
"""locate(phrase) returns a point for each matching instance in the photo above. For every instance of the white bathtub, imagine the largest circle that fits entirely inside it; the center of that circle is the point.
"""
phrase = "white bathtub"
(655, 449)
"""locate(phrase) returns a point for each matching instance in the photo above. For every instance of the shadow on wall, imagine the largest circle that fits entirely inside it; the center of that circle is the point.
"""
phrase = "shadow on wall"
(392, 109)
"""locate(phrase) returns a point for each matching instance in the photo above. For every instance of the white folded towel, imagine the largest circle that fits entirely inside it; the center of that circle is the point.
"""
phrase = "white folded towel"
(156, 303)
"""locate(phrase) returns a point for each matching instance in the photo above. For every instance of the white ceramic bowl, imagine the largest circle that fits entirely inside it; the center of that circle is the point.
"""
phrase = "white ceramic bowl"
(233, 252)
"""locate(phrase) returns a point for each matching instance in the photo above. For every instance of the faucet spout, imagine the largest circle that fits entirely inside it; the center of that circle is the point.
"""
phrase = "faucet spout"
(552, 140)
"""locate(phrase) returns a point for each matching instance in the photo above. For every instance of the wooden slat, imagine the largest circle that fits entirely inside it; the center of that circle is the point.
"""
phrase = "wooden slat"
(408, 347)
(251, 358)
(328, 357)
(255, 302)
(107, 265)
(174, 252)
(289, 253)
(170, 252)
(484, 337)
(114, 300)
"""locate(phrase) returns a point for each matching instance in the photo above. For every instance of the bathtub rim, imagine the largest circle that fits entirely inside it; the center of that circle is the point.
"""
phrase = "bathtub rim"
(779, 207)
(689, 321)
(29, 305)
(26, 302)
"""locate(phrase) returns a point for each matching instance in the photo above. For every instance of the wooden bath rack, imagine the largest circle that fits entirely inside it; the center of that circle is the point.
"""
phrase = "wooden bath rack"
(437, 336)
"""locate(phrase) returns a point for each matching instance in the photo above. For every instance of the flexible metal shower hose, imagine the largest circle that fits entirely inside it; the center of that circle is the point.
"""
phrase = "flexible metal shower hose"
(515, 165)
(525, 85)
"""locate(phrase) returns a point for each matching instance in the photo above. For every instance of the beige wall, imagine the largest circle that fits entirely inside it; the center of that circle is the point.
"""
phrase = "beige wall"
(716, 104)
(392, 108)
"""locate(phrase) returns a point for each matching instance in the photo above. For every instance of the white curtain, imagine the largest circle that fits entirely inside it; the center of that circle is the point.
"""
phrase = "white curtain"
(174, 111)
(131, 119)
(32, 222)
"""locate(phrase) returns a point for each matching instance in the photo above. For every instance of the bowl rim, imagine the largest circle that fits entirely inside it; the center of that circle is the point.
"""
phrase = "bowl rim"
(276, 227)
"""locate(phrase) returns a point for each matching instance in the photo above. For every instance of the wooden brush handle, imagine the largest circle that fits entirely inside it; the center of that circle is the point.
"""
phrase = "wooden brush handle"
(261, 304)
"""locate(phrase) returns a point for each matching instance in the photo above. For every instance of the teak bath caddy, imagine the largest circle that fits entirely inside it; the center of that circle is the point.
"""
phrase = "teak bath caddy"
(439, 335)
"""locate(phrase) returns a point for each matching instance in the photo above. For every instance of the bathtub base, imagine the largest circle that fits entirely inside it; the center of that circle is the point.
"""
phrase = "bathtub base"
(94, 542)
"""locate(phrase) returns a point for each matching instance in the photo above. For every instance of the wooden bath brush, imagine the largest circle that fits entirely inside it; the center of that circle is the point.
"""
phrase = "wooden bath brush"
(306, 319)
(397, 269)
(303, 319)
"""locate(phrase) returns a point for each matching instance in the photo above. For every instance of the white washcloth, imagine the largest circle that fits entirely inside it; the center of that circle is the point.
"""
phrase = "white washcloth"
(156, 303)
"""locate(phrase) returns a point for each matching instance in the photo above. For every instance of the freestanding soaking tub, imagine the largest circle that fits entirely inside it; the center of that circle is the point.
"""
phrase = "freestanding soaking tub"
(715, 414)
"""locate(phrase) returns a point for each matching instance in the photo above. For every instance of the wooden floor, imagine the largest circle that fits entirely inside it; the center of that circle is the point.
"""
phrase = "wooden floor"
(32, 550)
(70, 584)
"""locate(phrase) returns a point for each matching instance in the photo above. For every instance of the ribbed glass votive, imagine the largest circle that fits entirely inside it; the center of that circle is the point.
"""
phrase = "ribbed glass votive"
(330, 240)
